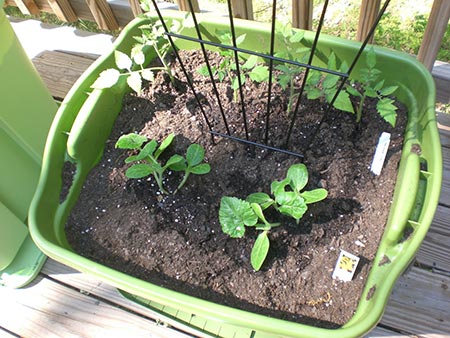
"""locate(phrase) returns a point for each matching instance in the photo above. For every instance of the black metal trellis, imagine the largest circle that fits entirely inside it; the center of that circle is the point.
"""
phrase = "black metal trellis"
(343, 76)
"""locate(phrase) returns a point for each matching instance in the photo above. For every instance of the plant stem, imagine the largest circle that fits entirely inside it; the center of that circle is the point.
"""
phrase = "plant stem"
(185, 177)
(360, 108)
(165, 66)
(159, 179)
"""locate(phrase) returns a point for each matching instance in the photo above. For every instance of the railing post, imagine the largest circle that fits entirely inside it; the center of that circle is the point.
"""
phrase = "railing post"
(242, 9)
(183, 5)
(135, 7)
(367, 16)
(302, 11)
(63, 10)
(103, 14)
(432, 39)
(27, 7)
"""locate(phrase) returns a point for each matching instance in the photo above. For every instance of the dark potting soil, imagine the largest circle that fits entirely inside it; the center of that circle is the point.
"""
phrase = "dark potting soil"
(176, 241)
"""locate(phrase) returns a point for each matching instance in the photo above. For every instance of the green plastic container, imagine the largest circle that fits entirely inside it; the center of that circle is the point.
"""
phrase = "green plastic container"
(88, 120)
(26, 112)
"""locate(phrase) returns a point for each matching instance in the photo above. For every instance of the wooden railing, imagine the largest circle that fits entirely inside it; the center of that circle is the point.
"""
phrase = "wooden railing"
(113, 15)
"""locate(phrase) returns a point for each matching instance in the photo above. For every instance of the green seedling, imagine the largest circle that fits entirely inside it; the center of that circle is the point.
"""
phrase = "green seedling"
(370, 86)
(235, 214)
(325, 85)
(250, 69)
(132, 67)
(146, 162)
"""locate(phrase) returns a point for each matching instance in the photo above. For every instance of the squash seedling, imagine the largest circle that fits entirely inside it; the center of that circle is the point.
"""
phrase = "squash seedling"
(235, 214)
(146, 162)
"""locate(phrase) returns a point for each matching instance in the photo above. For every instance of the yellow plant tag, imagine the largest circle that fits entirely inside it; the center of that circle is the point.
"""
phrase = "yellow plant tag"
(345, 266)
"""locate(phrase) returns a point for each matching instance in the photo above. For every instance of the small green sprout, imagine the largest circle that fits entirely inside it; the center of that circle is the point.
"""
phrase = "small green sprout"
(227, 67)
(146, 162)
(369, 86)
(235, 214)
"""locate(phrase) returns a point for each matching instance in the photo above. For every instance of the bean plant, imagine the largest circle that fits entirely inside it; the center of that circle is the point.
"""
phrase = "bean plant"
(286, 197)
(147, 161)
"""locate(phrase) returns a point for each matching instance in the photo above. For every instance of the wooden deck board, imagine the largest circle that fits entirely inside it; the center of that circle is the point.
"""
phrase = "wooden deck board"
(419, 305)
(49, 309)
(435, 249)
(60, 70)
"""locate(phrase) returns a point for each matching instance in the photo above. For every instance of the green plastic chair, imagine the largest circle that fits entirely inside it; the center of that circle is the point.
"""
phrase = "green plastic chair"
(26, 112)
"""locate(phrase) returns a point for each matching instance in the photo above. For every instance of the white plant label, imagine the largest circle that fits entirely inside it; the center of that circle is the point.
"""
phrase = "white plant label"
(380, 153)
(345, 266)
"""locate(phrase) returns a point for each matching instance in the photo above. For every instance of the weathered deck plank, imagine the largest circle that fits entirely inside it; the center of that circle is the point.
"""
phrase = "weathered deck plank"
(60, 70)
(420, 304)
(48, 309)
(91, 285)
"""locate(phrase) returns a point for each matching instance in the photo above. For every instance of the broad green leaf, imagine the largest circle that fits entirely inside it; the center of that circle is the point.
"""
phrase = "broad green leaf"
(353, 91)
(330, 81)
(298, 176)
(313, 93)
(240, 39)
(260, 250)
(135, 82)
(235, 82)
(278, 186)
(139, 170)
(388, 90)
(259, 74)
(314, 196)
(148, 75)
(130, 159)
(195, 154)
(313, 78)
(148, 150)
(139, 58)
(123, 61)
(200, 169)
(234, 215)
(164, 144)
(173, 160)
(379, 85)
(203, 70)
(284, 80)
(106, 79)
(292, 205)
(286, 197)
(130, 141)
(250, 63)
(370, 92)
(261, 198)
(332, 61)
(179, 166)
(221, 74)
(343, 102)
(387, 110)
(371, 58)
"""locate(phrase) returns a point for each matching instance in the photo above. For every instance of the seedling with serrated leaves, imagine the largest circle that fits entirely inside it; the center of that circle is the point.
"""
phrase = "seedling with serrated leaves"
(146, 162)
(369, 85)
(132, 66)
(227, 67)
(235, 214)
